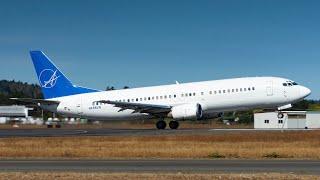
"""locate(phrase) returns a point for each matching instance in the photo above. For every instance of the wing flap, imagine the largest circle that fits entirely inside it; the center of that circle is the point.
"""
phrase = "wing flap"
(152, 109)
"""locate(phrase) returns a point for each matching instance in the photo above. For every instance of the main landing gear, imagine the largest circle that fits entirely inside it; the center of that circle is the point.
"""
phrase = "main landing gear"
(162, 124)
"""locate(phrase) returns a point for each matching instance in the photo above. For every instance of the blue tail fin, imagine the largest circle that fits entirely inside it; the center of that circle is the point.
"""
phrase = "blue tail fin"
(52, 81)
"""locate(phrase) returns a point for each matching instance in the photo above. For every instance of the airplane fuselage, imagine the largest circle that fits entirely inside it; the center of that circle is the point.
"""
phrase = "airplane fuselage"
(213, 96)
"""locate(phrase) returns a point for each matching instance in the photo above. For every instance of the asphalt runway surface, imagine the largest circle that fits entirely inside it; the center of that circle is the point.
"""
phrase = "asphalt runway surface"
(115, 132)
(195, 166)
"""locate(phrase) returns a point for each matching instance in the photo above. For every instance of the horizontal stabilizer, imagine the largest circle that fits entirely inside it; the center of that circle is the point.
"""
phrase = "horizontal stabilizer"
(36, 101)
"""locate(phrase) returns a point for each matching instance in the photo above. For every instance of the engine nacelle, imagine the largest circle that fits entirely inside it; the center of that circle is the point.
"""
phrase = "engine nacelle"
(187, 111)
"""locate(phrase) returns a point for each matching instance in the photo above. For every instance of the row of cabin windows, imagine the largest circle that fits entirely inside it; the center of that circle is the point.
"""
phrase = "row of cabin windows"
(187, 94)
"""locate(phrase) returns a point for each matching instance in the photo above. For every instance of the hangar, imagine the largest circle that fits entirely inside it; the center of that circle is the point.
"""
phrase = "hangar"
(13, 113)
(288, 120)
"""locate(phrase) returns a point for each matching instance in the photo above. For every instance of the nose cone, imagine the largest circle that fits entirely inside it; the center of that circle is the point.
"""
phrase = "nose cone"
(304, 91)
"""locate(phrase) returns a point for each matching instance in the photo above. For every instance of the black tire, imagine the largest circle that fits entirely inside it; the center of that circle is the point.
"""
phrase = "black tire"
(174, 124)
(58, 126)
(280, 115)
(161, 124)
(49, 126)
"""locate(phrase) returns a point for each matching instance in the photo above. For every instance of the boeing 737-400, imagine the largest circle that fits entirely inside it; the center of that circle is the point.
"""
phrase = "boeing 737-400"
(194, 101)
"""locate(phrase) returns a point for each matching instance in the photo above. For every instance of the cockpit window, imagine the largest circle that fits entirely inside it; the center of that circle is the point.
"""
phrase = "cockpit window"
(285, 84)
(289, 84)
(294, 83)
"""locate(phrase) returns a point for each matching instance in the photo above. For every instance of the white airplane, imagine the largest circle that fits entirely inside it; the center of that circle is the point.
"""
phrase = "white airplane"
(195, 101)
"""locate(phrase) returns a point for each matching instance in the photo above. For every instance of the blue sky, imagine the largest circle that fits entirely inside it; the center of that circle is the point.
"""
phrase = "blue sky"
(144, 43)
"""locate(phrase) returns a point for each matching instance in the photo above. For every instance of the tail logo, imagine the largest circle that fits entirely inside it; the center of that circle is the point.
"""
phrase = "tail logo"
(48, 78)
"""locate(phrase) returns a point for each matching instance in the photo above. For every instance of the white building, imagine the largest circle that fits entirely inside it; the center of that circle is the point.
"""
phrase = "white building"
(289, 120)
(20, 114)
(14, 111)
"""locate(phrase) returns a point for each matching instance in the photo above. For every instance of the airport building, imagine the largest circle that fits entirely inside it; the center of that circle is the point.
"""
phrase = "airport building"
(17, 114)
(287, 120)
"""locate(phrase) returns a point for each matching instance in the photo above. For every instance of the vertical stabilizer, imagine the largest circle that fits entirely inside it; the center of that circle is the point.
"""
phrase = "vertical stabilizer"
(52, 81)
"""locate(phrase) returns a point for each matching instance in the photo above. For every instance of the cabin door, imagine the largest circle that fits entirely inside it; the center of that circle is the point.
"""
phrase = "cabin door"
(79, 106)
(269, 88)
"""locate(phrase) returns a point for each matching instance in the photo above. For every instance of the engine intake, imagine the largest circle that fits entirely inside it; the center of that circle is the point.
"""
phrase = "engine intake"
(187, 111)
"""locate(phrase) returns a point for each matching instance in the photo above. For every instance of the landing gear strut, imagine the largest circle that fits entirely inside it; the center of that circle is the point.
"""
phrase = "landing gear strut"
(174, 124)
(161, 124)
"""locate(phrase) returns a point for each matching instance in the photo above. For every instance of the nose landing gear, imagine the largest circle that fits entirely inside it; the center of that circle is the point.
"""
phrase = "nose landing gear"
(280, 115)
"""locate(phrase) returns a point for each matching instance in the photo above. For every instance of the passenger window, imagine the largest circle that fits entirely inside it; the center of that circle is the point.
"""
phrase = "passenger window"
(140, 99)
(137, 99)
(253, 89)
(194, 94)
(174, 96)
(237, 90)
(202, 93)
(249, 89)
(182, 95)
(228, 90)
(157, 97)
(152, 97)
(128, 100)
(210, 92)
(190, 94)
(219, 91)
(165, 96)
(224, 91)
(149, 98)
(232, 90)
(244, 89)
(240, 89)
(215, 92)
(160, 97)
(186, 94)
(170, 96)
(284, 84)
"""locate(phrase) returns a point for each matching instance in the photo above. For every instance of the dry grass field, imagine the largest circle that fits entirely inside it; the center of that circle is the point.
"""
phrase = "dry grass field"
(149, 176)
(240, 145)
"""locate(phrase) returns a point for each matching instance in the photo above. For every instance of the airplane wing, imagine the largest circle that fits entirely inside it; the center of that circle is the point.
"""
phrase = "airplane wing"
(36, 101)
(152, 109)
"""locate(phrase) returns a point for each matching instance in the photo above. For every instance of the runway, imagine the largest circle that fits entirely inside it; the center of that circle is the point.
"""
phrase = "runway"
(198, 166)
(4, 133)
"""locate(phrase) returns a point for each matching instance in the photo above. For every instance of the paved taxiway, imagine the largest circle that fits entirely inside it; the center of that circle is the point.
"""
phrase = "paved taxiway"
(115, 132)
(228, 166)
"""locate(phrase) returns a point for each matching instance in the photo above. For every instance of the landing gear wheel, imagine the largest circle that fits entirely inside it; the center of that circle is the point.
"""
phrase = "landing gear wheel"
(161, 124)
(174, 124)
(280, 115)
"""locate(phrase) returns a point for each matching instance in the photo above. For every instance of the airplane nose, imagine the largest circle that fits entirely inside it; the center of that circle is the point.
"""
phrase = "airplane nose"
(304, 91)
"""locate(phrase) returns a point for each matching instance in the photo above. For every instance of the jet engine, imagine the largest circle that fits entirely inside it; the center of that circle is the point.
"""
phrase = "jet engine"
(187, 111)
